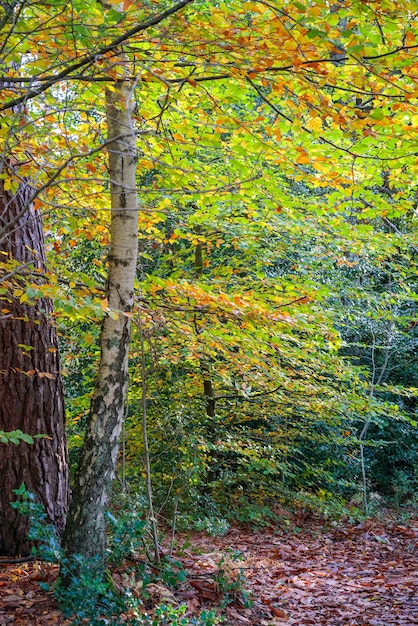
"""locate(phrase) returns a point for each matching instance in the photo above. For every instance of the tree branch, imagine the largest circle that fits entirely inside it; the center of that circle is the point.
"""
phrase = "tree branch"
(90, 58)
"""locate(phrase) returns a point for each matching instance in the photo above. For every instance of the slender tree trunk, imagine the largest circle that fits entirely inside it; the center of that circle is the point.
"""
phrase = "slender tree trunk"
(208, 388)
(31, 393)
(85, 531)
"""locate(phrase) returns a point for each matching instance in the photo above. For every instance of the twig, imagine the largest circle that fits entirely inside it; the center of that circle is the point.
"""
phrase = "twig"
(23, 559)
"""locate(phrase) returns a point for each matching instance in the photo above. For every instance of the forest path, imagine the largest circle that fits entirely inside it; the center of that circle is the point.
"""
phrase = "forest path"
(363, 575)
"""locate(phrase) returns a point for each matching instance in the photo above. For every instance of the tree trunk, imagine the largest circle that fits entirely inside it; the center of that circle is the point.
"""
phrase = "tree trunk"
(208, 388)
(31, 393)
(85, 531)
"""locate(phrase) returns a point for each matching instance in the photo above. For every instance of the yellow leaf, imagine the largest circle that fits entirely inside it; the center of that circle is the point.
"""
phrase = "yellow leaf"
(314, 124)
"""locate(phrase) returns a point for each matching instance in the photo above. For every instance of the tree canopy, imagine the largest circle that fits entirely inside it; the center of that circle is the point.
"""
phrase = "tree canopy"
(273, 323)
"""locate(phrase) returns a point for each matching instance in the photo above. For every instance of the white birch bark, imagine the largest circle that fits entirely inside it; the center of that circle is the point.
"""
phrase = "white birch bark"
(85, 531)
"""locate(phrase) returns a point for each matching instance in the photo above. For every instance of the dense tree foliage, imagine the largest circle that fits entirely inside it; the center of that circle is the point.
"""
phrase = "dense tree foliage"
(269, 149)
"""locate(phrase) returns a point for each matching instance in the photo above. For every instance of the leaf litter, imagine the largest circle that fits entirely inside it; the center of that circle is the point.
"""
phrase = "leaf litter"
(363, 575)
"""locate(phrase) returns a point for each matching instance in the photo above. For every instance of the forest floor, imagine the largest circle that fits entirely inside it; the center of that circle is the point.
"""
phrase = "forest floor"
(347, 575)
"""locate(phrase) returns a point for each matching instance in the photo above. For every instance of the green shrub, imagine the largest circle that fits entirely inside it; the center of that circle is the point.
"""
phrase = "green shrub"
(46, 545)
(87, 594)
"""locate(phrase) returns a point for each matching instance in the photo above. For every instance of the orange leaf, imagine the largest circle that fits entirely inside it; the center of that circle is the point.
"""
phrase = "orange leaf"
(303, 159)
(278, 612)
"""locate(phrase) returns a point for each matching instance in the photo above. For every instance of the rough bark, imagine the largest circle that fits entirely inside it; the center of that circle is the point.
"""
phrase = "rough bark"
(85, 531)
(31, 393)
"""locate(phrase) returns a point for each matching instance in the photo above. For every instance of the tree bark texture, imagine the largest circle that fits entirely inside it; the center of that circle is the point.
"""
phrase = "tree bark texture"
(85, 531)
(31, 391)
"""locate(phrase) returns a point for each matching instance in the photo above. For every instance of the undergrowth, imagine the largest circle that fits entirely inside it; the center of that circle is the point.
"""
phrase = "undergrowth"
(121, 595)
(90, 595)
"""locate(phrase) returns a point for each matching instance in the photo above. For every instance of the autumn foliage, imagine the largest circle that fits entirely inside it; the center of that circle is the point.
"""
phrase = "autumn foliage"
(269, 155)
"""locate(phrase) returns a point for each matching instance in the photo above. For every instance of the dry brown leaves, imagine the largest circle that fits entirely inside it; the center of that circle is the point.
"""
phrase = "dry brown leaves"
(22, 602)
(365, 575)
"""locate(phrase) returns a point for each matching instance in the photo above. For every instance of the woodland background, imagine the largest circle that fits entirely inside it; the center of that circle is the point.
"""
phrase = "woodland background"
(267, 154)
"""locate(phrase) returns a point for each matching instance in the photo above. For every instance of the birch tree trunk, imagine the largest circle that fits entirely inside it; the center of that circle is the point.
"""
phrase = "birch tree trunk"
(31, 392)
(85, 530)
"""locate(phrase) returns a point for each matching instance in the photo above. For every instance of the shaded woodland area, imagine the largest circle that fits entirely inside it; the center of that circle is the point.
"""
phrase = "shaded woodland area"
(208, 311)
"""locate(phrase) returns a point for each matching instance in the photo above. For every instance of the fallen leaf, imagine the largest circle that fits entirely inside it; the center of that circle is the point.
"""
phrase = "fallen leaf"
(278, 612)
(239, 617)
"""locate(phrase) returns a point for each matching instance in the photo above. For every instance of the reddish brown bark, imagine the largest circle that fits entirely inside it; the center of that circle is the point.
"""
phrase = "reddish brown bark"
(31, 393)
